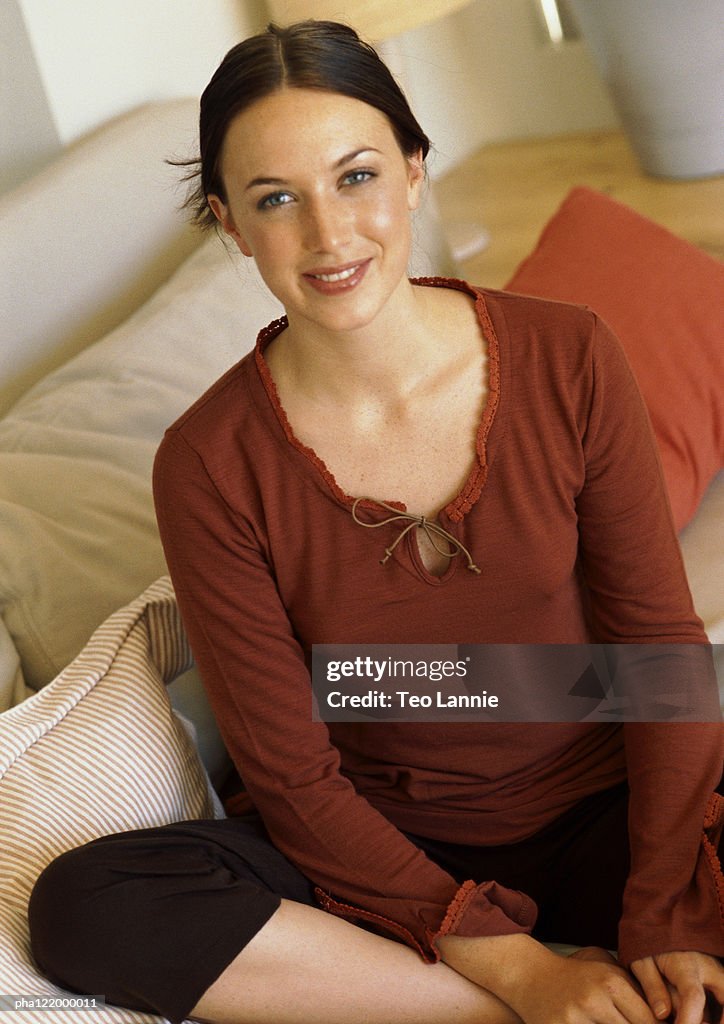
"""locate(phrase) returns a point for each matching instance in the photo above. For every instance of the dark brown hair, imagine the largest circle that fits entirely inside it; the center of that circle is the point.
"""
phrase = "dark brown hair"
(323, 55)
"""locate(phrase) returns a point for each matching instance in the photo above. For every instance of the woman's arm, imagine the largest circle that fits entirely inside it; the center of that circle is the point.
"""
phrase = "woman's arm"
(674, 898)
(542, 987)
(260, 691)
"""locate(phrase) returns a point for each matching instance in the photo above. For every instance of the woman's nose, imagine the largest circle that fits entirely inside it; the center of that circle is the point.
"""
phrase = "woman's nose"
(326, 227)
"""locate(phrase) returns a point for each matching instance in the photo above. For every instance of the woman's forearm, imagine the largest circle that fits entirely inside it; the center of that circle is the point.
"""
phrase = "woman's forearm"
(502, 964)
(541, 986)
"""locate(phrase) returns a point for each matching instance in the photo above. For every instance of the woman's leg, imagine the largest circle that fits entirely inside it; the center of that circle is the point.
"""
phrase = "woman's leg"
(209, 919)
(308, 967)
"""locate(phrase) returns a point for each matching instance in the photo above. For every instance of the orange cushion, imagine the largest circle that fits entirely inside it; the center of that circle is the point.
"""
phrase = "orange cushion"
(664, 298)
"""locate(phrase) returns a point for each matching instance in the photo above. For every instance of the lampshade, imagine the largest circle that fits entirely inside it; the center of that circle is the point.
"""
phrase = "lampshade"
(373, 19)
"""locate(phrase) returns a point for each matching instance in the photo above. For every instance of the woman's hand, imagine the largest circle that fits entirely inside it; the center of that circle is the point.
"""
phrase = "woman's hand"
(544, 988)
(680, 983)
(579, 990)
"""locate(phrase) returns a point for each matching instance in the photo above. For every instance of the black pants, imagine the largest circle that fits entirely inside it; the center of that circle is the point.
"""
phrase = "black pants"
(151, 918)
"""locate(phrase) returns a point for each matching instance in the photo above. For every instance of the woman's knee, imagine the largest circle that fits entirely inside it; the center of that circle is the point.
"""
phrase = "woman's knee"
(110, 917)
(64, 915)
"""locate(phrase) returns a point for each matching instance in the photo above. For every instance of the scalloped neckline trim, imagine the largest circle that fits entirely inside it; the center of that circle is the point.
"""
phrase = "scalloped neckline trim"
(473, 486)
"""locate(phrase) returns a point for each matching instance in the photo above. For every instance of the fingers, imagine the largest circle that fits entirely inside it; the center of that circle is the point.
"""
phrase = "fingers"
(712, 976)
(654, 987)
(617, 1000)
(714, 986)
(697, 979)
(692, 1006)
(632, 1007)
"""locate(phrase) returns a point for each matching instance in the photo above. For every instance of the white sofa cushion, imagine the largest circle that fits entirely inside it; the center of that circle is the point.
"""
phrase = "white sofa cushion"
(78, 536)
(97, 751)
(12, 684)
(90, 238)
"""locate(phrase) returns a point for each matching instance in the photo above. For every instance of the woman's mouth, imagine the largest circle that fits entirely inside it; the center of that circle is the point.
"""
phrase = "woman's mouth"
(337, 279)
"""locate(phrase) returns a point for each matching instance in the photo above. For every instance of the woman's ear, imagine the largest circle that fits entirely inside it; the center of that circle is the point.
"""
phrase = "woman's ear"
(223, 214)
(415, 179)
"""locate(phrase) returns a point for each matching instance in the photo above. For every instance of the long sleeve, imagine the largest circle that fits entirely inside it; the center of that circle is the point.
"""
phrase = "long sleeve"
(259, 687)
(267, 561)
(634, 573)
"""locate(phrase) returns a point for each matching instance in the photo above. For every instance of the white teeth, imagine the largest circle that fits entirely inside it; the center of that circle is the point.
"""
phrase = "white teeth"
(341, 276)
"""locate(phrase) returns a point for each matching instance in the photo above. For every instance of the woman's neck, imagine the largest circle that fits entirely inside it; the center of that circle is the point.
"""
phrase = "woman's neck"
(386, 357)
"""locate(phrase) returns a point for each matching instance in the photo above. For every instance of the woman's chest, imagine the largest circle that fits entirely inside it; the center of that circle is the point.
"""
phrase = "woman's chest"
(338, 585)
(418, 453)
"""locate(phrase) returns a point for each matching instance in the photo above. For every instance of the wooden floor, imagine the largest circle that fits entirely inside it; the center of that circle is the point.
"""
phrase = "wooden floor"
(512, 189)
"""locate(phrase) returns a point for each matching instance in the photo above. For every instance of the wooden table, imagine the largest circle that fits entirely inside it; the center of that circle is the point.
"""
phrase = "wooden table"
(513, 188)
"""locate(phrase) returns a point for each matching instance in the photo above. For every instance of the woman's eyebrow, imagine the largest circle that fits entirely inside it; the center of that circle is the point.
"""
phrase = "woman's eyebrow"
(347, 158)
(264, 181)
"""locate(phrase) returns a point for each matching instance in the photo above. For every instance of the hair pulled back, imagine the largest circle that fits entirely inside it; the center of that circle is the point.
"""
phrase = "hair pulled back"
(323, 55)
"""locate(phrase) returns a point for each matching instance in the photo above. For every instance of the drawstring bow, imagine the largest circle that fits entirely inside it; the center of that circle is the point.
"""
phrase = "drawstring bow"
(432, 530)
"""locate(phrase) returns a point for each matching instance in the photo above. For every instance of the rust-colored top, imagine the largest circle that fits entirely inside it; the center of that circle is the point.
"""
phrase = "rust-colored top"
(267, 559)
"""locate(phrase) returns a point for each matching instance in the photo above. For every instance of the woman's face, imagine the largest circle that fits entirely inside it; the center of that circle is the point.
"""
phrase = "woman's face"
(319, 193)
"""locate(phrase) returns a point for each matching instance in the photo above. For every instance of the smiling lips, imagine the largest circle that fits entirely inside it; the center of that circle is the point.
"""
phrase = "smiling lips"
(337, 279)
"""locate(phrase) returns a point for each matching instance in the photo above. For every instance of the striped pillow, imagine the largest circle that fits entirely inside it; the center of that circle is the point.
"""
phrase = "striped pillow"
(97, 751)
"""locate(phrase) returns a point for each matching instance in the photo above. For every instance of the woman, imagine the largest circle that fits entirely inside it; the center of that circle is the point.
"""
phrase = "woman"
(514, 428)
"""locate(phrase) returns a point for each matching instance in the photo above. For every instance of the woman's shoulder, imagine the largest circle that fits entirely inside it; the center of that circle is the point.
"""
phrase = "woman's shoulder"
(538, 313)
(233, 403)
(530, 312)
(212, 408)
(556, 343)
(553, 332)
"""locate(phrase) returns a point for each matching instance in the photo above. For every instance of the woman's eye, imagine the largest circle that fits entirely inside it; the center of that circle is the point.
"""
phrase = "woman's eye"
(275, 199)
(357, 177)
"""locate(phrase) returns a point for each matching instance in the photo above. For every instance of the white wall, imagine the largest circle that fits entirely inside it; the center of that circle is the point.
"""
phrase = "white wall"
(97, 58)
(28, 138)
(481, 75)
(489, 73)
